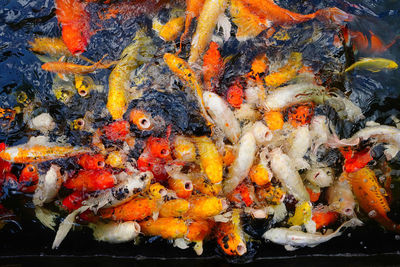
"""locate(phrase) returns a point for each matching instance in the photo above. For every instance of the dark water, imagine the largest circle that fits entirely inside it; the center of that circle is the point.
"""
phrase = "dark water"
(20, 71)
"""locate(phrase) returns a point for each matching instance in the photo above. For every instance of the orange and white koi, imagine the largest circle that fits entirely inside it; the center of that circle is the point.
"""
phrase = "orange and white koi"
(182, 69)
(29, 178)
(39, 150)
(208, 18)
(141, 119)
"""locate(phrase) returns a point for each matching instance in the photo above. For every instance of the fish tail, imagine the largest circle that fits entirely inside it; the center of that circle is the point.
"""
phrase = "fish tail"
(333, 15)
(389, 45)
(350, 223)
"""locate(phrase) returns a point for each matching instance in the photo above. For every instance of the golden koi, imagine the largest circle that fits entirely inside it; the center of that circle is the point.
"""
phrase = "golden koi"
(373, 64)
(134, 55)
(209, 15)
(170, 30)
(54, 47)
(182, 69)
(210, 159)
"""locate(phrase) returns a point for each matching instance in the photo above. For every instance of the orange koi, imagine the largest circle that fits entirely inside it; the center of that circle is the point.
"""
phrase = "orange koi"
(35, 153)
(182, 188)
(91, 162)
(313, 195)
(160, 147)
(355, 161)
(274, 120)
(117, 131)
(213, 66)
(75, 22)
(72, 68)
(203, 207)
(174, 208)
(73, 201)
(299, 115)
(259, 174)
(234, 96)
(230, 236)
(91, 180)
(366, 43)
(184, 149)
(29, 178)
(285, 73)
(193, 9)
(322, 219)
(168, 228)
(371, 197)
(136, 209)
(141, 119)
(198, 230)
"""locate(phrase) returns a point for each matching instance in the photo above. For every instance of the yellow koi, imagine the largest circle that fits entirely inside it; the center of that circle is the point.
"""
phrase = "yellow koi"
(72, 68)
(373, 64)
(134, 55)
(208, 18)
(170, 30)
(168, 228)
(182, 69)
(210, 159)
(285, 73)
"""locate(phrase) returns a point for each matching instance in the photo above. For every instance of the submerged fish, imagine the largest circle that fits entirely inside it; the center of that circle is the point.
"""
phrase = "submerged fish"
(138, 52)
(373, 64)
(293, 239)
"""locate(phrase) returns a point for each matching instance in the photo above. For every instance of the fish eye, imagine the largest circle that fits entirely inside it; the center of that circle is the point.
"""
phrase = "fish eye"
(144, 123)
(30, 168)
(100, 163)
(164, 152)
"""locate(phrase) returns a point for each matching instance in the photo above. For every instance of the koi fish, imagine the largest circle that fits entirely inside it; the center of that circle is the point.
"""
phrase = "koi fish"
(91, 180)
(340, 197)
(260, 174)
(234, 95)
(366, 43)
(117, 159)
(170, 30)
(213, 66)
(323, 219)
(230, 236)
(73, 201)
(257, 16)
(274, 120)
(117, 130)
(182, 69)
(285, 73)
(136, 209)
(373, 64)
(39, 150)
(137, 53)
(355, 161)
(259, 66)
(204, 186)
(91, 162)
(184, 149)
(193, 10)
(371, 197)
(174, 208)
(168, 228)
(285, 172)
(242, 194)
(75, 22)
(293, 239)
(29, 178)
(240, 168)
(302, 216)
(197, 231)
(210, 159)
(141, 119)
(320, 176)
(182, 187)
(54, 47)
(115, 232)
(72, 68)
(203, 207)
(208, 18)
(222, 115)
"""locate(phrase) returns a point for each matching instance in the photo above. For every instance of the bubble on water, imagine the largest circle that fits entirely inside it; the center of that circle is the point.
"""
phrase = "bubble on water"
(382, 190)
(349, 235)
(372, 214)
(392, 186)
(397, 237)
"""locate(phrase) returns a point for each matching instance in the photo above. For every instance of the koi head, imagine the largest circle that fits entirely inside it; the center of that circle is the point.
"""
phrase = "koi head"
(159, 147)
(141, 119)
(92, 162)
(83, 84)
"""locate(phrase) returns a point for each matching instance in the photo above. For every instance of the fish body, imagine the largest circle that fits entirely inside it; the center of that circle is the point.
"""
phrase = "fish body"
(298, 144)
(371, 197)
(203, 207)
(373, 64)
(72, 68)
(213, 66)
(75, 22)
(284, 170)
(136, 209)
(168, 228)
(184, 148)
(320, 176)
(230, 236)
(48, 186)
(182, 69)
(174, 208)
(222, 115)
(138, 52)
(340, 197)
(210, 159)
(54, 47)
(115, 233)
(207, 21)
(91, 180)
(170, 30)
(35, 153)
(91, 162)
(193, 9)
(240, 168)
(293, 239)
(73, 201)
